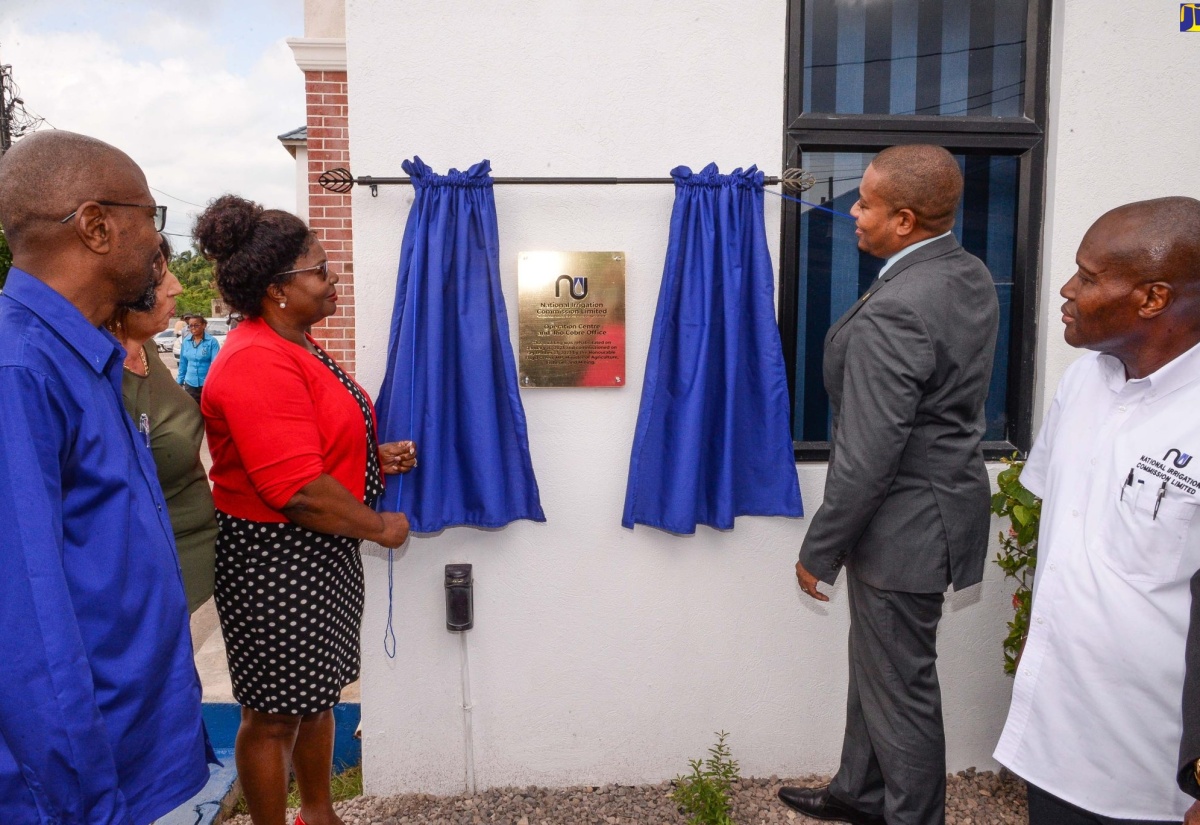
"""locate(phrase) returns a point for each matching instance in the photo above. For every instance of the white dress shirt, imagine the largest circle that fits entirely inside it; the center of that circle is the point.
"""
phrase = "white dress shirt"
(906, 250)
(1096, 708)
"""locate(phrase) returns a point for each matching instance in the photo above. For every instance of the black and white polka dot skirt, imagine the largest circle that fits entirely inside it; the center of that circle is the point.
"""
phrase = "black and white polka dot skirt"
(290, 602)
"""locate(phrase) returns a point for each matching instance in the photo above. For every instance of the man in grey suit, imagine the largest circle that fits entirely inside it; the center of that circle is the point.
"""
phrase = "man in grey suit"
(905, 512)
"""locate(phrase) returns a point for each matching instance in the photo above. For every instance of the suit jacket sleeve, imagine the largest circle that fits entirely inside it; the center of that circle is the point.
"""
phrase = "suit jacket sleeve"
(1189, 748)
(889, 358)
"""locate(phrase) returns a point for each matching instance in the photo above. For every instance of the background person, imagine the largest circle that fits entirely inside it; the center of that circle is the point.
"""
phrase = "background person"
(197, 351)
(171, 422)
(296, 470)
(1095, 723)
(99, 700)
(906, 508)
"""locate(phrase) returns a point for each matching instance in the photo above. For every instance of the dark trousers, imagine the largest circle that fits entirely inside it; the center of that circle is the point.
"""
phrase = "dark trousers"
(194, 392)
(894, 751)
(1047, 809)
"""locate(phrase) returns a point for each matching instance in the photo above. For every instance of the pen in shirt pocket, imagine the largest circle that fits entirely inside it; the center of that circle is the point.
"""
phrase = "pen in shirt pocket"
(1128, 483)
(144, 427)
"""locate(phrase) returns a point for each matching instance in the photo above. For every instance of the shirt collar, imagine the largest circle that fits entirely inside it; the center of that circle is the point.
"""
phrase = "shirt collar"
(911, 248)
(1176, 373)
(95, 345)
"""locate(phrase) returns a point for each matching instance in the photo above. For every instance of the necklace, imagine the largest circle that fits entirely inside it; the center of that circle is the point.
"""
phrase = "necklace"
(145, 363)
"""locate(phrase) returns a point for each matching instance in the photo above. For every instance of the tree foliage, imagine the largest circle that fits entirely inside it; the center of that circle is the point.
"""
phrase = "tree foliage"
(5, 258)
(195, 274)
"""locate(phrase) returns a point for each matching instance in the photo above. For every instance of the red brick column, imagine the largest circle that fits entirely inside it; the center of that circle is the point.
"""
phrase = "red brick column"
(329, 212)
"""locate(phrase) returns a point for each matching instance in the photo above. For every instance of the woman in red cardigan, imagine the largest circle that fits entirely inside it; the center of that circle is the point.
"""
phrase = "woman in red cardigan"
(296, 470)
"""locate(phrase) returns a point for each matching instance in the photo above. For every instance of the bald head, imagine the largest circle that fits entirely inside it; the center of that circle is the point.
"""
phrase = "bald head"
(1154, 240)
(46, 175)
(923, 178)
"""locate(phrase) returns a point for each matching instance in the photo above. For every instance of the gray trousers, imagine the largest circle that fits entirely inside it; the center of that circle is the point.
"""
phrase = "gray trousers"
(894, 751)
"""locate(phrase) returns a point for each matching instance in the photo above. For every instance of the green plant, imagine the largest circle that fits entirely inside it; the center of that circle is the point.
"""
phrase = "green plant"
(1018, 553)
(703, 797)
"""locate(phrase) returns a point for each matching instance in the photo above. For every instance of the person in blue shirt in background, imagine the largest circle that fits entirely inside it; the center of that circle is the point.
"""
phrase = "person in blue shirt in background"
(196, 354)
(99, 701)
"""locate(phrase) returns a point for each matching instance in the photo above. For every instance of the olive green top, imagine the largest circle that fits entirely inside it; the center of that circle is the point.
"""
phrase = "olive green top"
(176, 429)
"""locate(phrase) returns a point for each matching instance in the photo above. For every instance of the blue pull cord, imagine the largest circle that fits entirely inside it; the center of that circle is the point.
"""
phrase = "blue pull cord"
(813, 205)
(389, 636)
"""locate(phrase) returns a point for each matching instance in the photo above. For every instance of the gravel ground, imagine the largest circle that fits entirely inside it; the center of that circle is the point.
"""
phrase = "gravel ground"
(971, 799)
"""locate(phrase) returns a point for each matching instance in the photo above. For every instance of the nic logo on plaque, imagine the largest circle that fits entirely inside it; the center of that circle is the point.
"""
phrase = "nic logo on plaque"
(572, 319)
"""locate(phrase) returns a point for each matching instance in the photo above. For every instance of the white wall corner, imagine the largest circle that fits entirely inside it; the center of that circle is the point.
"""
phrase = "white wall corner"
(324, 18)
(319, 54)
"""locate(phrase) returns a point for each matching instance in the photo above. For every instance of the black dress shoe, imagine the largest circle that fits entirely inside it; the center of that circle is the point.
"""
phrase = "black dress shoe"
(820, 804)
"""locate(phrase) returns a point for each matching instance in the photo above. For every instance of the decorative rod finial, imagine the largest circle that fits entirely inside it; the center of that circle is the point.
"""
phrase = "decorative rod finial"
(797, 180)
(336, 180)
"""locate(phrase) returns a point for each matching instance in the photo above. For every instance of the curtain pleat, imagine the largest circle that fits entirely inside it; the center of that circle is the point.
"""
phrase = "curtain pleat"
(712, 439)
(451, 383)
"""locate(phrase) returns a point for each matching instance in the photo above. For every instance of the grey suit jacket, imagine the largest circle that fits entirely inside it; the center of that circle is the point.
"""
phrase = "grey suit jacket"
(907, 370)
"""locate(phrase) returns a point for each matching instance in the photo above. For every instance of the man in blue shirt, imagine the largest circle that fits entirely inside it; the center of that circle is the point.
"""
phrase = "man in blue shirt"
(99, 700)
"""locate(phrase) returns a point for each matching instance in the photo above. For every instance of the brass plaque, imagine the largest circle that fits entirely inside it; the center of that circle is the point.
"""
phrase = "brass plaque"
(572, 319)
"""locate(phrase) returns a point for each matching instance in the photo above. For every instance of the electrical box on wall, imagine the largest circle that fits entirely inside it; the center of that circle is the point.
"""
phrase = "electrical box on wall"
(460, 599)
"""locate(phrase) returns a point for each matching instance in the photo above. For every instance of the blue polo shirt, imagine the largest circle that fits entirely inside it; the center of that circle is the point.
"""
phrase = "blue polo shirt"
(99, 698)
(195, 359)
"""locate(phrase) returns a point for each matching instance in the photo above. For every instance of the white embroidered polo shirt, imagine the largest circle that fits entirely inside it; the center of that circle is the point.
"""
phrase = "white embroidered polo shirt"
(1096, 707)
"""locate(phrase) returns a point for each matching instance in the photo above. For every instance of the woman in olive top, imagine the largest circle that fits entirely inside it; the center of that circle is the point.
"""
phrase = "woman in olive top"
(171, 423)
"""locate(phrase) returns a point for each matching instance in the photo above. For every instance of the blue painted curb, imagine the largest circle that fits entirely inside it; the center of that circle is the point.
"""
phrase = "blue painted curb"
(213, 803)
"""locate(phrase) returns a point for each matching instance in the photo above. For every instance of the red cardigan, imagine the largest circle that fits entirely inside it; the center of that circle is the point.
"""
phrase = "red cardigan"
(277, 418)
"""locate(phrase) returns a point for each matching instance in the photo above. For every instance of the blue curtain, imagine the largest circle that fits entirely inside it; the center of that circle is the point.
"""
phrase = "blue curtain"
(712, 438)
(451, 383)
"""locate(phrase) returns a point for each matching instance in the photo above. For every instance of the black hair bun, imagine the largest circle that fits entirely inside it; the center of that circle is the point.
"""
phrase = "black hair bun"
(226, 226)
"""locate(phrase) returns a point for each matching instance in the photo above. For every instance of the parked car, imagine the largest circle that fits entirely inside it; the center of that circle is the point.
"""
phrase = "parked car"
(217, 327)
(165, 340)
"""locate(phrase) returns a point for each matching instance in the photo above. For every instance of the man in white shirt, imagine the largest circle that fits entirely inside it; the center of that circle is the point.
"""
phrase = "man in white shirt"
(1096, 719)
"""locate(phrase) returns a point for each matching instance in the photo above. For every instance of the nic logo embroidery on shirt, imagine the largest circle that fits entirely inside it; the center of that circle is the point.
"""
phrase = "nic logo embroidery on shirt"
(1171, 475)
(1181, 459)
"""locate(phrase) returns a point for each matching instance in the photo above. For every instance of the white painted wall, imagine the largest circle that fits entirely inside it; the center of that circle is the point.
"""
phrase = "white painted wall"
(1124, 125)
(302, 182)
(324, 18)
(602, 654)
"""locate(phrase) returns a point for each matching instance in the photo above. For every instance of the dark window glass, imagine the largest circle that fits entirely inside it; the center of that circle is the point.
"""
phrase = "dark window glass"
(833, 273)
(915, 57)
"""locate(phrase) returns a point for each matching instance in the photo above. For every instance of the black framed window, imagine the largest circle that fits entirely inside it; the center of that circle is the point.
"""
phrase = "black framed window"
(969, 75)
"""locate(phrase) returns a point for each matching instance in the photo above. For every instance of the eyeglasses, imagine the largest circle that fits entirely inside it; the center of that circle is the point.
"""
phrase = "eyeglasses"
(323, 267)
(160, 212)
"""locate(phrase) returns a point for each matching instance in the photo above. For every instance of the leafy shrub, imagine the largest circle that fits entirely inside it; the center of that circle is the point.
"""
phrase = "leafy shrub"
(1018, 553)
(703, 797)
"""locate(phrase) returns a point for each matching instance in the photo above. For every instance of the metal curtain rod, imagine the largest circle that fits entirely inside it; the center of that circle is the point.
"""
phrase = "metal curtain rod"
(341, 181)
